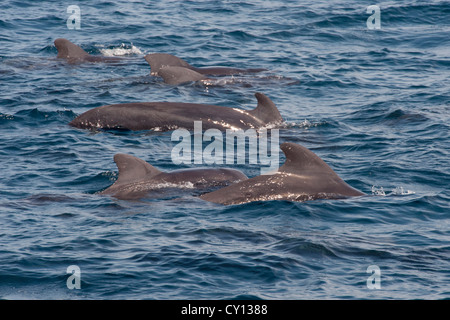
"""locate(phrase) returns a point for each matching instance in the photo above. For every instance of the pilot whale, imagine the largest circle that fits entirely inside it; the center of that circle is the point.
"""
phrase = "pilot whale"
(180, 75)
(166, 116)
(138, 179)
(304, 176)
(157, 61)
(74, 54)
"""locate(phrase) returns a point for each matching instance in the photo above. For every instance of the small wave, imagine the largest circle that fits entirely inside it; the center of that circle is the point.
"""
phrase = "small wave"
(123, 50)
(37, 114)
(49, 198)
(401, 115)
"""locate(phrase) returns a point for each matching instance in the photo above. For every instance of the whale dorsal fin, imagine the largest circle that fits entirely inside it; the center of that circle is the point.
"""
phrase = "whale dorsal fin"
(67, 49)
(178, 75)
(160, 60)
(300, 160)
(133, 169)
(266, 110)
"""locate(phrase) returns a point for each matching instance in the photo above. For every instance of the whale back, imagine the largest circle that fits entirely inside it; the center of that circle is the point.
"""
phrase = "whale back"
(304, 176)
(178, 75)
(170, 115)
(157, 61)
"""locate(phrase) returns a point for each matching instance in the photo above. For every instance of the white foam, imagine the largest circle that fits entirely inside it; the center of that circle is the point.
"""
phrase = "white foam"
(378, 191)
(397, 191)
(123, 50)
(305, 124)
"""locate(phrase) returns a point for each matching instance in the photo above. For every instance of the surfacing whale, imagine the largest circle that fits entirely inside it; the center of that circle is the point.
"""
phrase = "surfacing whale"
(74, 54)
(157, 61)
(165, 116)
(138, 179)
(304, 176)
(180, 75)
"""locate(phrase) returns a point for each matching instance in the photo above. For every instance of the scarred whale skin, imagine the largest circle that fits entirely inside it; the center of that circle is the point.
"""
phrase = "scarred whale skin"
(171, 115)
(137, 178)
(304, 176)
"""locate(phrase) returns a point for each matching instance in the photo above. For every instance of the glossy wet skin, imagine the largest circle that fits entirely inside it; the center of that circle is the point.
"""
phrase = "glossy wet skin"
(172, 115)
(303, 177)
(138, 179)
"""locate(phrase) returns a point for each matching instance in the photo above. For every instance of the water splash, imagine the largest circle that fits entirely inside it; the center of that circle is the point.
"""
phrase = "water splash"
(397, 191)
(123, 50)
(378, 191)
(305, 124)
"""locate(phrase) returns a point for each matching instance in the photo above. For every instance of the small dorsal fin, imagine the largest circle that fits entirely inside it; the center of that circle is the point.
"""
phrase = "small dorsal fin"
(266, 111)
(67, 49)
(179, 75)
(133, 169)
(160, 60)
(300, 160)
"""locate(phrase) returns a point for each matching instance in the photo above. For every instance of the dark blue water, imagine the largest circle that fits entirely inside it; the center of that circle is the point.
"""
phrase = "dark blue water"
(373, 104)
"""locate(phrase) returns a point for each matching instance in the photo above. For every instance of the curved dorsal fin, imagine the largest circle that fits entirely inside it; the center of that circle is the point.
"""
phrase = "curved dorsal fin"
(160, 60)
(300, 160)
(266, 110)
(67, 49)
(133, 169)
(178, 75)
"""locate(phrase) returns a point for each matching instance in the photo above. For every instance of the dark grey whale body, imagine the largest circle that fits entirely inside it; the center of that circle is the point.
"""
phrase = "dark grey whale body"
(74, 54)
(166, 116)
(179, 75)
(303, 177)
(158, 61)
(138, 179)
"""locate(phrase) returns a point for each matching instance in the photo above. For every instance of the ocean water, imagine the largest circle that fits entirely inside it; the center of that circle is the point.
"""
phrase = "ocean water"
(372, 103)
